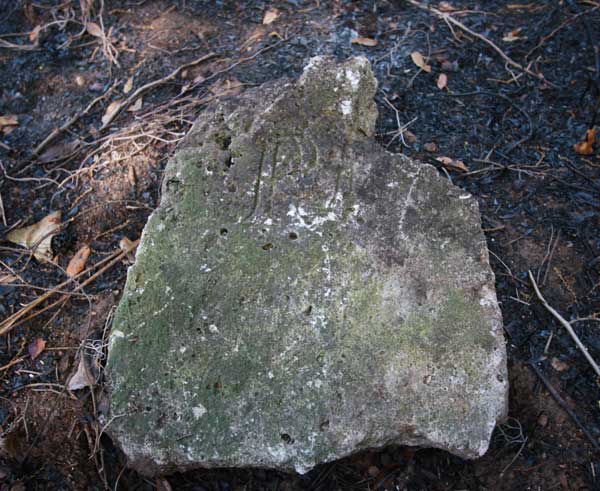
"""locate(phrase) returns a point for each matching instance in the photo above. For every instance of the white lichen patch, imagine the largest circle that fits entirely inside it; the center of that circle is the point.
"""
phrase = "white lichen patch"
(346, 107)
(199, 411)
(353, 77)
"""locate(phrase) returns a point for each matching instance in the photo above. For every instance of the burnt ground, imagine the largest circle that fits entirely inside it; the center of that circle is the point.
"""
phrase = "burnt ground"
(513, 125)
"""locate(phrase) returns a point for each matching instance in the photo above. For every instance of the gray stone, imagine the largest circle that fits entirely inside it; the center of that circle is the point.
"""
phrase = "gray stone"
(302, 294)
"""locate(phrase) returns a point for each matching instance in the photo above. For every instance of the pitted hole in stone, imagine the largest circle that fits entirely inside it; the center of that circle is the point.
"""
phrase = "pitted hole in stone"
(287, 439)
(293, 235)
(268, 246)
(500, 378)
(360, 220)
(324, 425)
(308, 310)
(223, 232)
(224, 141)
(232, 188)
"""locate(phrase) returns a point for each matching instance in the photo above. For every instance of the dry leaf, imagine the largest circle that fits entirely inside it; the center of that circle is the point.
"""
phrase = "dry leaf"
(254, 37)
(10, 120)
(559, 365)
(418, 60)
(446, 7)
(77, 262)
(226, 87)
(79, 81)
(163, 485)
(94, 29)
(129, 245)
(513, 35)
(409, 136)
(34, 35)
(430, 147)
(452, 164)
(36, 347)
(442, 81)
(128, 86)
(365, 42)
(112, 108)
(82, 377)
(136, 106)
(270, 16)
(586, 147)
(38, 235)
(59, 151)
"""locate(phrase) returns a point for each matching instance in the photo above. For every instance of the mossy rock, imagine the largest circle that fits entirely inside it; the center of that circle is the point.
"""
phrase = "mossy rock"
(301, 294)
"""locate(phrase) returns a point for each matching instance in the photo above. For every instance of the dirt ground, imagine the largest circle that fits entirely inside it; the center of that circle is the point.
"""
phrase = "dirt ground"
(495, 94)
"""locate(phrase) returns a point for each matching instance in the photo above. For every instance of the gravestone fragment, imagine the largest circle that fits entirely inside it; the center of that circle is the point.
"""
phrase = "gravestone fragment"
(301, 294)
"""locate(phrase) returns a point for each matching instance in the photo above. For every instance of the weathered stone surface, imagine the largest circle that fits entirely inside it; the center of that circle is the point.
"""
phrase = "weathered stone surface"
(301, 294)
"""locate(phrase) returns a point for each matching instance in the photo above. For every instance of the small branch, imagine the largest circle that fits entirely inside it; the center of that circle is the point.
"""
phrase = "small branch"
(22, 47)
(566, 325)
(451, 20)
(557, 397)
(57, 131)
(109, 262)
(145, 88)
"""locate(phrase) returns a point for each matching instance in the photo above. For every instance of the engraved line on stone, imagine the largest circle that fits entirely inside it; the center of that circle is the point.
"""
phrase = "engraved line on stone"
(257, 185)
(269, 207)
(407, 201)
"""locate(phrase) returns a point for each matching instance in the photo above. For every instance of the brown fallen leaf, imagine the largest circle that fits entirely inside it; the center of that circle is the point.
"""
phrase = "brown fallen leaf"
(83, 377)
(559, 365)
(430, 147)
(77, 262)
(38, 236)
(136, 106)
(442, 81)
(126, 244)
(418, 60)
(10, 120)
(226, 87)
(452, 164)
(112, 108)
(163, 485)
(59, 151)
(586, 147)
(94, 29)
(543, 420)
(36, 347)
(446, 7)
(409, 136)
(128, 86)
(34, 34)
(271, 15)
(513, 35)
(254, 38)
(369, 42)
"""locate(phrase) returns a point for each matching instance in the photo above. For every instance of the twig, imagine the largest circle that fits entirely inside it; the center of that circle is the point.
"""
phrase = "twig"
(110, 261)
(566, 325)
(449, 19)
(144, 88)
(3, 215)
(22, 47)
(557, 397)
(57, 131)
